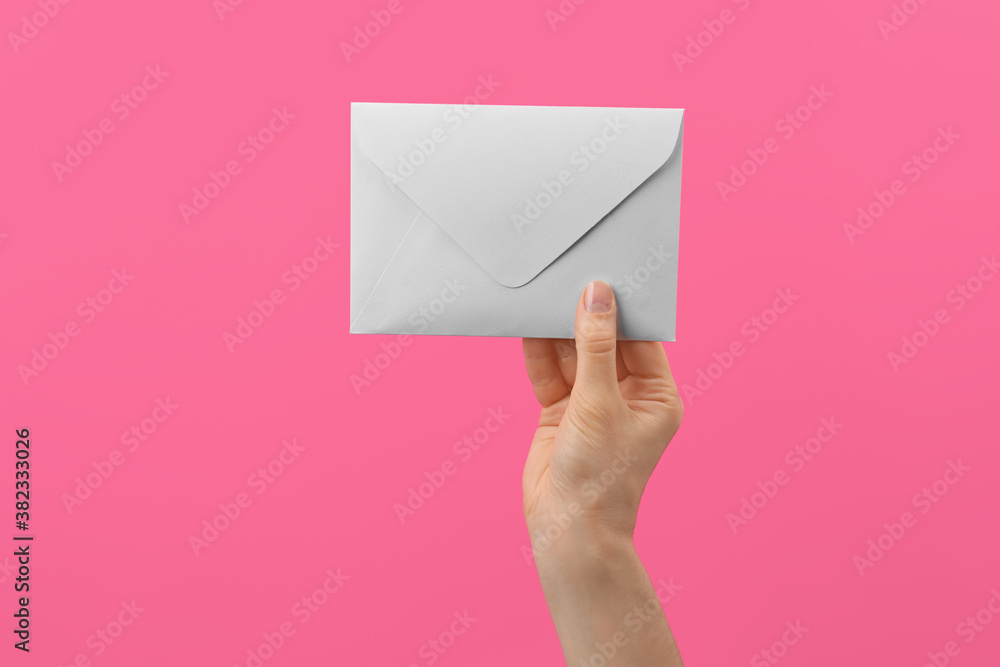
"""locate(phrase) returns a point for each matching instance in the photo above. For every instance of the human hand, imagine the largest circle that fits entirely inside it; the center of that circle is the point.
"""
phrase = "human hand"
(609, 409)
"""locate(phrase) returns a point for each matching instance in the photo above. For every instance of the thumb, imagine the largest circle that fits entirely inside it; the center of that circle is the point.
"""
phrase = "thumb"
(596, 333)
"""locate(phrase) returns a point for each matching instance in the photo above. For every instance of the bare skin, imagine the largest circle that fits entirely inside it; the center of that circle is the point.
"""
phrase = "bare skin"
(608, 410)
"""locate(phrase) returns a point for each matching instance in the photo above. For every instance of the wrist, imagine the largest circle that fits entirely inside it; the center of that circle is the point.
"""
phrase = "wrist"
(597, 573)
(579, 527)
(578, 545)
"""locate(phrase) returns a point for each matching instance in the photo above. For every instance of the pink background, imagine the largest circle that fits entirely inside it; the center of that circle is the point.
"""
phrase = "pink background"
(333, 506)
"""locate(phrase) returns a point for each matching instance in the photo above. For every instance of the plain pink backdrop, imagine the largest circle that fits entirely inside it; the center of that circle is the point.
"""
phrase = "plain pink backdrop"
(333, 506)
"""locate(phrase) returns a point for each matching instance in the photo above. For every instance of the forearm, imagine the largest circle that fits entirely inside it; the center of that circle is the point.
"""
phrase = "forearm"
(604, 606)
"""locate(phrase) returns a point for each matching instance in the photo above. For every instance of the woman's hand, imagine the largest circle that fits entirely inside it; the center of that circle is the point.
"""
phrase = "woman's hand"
(609, 409)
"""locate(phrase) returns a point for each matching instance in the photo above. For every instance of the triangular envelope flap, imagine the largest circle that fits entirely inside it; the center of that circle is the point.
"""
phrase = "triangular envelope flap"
(515, 186)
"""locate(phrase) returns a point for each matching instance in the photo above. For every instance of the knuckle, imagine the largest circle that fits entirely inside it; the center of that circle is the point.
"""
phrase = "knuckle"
(676, 412)
(666, 394)
(565, 350)
(599, 340)
(547, 381)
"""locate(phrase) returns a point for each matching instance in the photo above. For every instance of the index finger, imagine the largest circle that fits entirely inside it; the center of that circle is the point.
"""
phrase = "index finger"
(542, 362)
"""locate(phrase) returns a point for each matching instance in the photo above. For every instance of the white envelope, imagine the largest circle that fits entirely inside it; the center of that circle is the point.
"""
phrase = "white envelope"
(490, 220)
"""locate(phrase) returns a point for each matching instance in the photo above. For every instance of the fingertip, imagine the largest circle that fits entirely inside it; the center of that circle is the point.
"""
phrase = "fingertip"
(596, 336)
(598, 297)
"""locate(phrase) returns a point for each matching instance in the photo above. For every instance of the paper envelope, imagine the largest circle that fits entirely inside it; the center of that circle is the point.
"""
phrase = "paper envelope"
(490, 220)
